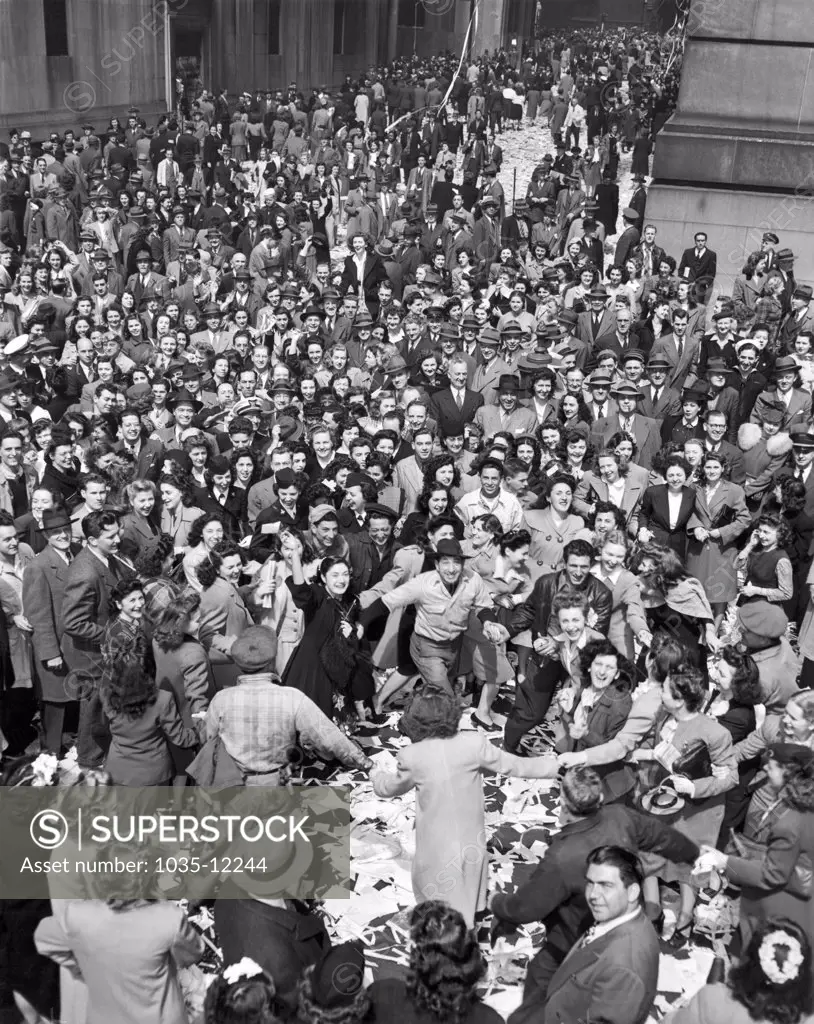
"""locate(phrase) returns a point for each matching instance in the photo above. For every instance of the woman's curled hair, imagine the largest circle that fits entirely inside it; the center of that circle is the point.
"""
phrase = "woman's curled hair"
(445, 962)
(245, 1001)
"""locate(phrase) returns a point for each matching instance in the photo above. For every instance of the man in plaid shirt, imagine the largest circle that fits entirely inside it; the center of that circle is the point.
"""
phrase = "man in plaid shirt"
(263, 724)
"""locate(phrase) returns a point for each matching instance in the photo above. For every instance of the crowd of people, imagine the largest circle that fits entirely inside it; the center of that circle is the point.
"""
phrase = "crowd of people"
(304, 434)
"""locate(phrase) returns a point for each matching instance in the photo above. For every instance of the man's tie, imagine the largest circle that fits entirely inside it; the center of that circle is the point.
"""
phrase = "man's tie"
(588, 937)
(679, 346)
(459, 399)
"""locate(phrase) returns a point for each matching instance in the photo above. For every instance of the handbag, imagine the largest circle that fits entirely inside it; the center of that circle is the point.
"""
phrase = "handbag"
(693, 762)
(800, 881)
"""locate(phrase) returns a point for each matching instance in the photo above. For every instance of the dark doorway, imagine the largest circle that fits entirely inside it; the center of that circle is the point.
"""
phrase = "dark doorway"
(188, 59)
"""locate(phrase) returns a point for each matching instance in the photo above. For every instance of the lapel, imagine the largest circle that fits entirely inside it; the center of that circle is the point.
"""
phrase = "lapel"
(57, 566)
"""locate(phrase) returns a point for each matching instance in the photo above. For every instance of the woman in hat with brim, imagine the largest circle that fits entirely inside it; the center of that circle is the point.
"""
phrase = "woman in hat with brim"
(445, 767)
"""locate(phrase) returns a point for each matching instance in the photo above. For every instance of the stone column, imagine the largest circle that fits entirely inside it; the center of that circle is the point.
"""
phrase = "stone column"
(489, 29)
(737, 157)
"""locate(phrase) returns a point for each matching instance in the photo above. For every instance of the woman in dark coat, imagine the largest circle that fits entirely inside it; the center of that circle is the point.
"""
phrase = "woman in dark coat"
(329, 666)
(666, 508)
(61, 473)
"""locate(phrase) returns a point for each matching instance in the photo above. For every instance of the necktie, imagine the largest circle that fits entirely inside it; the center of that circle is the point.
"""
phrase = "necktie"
(656, 395)
(588, 937)
(679, 347)
(459, 399)
(798, 474)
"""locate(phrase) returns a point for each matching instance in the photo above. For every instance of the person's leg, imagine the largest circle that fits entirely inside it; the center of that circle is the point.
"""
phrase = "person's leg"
(541, 970)
(90, 746)
(532, 700)
(807, 674)
(434, 662)
(53, 720)
(487, 698)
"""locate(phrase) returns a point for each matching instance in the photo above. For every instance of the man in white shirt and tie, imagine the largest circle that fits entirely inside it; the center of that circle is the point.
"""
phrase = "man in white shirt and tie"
(599, 386)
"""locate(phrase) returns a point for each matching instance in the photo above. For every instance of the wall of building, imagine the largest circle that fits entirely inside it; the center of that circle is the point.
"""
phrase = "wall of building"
(115, 59)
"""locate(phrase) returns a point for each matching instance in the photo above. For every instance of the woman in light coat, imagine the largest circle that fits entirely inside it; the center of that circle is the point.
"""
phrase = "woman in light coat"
(445, 767)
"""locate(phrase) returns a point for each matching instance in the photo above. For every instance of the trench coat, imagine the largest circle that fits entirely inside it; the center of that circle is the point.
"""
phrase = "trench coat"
(451, 861)
(713, 561)
(43, 594)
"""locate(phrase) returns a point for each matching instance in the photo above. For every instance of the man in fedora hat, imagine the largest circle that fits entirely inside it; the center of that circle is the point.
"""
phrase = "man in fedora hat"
(801, 463)
(627, 420)
(214, 335)
(146, 283)
(490, 367)
(598, 320)
(43, 595)
(507, 415)
(799, 320)
(787, 393)
(444, 599)
(783, 269)
(486, 234)
(629, 238)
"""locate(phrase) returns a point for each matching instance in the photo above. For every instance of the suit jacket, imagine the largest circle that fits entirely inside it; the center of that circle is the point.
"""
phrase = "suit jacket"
(680, 368)
(157, 286)
(409, 476)
(798, 410)
(737, 467)
(587, 332)
(611, 341)
(445, 411)
(645, 431)
(520, 421)
(76, 379)
(223, 613)
(148, 461)
(727, 512)
(487, 377)
(44, 582)
(699, 268)
(221, 341)
(373, 276)
(172, 239)
(612, 979)
(667, 404)
(86, 610)
(654, 515)
(793, 325)
(555, 891)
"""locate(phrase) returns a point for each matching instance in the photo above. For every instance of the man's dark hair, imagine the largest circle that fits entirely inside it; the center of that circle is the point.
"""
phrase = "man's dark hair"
(95, 523)
(630, 868)
(582, 791)
(579, 547)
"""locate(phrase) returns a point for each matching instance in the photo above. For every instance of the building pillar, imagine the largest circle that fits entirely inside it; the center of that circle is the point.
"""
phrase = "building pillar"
(489, 29)
(392, 29)
(736, 157)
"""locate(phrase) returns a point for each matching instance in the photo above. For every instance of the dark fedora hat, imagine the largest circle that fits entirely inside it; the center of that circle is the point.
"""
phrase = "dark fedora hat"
(55, 519)
(508, 383)
(448, 549)
(184, 397)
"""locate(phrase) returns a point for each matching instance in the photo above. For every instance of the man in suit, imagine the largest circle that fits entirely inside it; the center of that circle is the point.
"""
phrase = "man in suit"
(601, 405)
(722, 396)
(490, 367)
(716, 425)
(507, 414)
(784, 269)
(133, 439)
(177, 235)
(799, 320)
(599, 320)
(85, 613)
(486, 235)
(44, 582)
(214, 335)
(650, 254)
(623, 339)
(146, 283)
(556, 893)
(680, 351)
(787, 394)
(658, 399)
(628, 421)
(453, 407)
(408, 474)
(699, 266)
(629, 238)
(611, 973)
(747, 379)
(803, 463)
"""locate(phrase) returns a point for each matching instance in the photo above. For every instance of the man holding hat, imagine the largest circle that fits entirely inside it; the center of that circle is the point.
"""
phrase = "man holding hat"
(43, 594)
(786, 393)
(507, 415)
